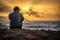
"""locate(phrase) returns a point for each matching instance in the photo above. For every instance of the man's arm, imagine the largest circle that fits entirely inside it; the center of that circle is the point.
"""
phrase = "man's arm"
(9, 16)
(22, 17)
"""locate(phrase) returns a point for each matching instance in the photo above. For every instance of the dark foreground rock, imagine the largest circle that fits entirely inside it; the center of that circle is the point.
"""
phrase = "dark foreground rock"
(22, 34)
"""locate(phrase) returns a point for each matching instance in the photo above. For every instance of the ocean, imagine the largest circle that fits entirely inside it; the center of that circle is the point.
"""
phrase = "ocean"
(36, 25)
(46, 25)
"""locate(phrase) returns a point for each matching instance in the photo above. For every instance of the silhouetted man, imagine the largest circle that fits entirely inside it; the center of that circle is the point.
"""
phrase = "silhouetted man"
(16, 19)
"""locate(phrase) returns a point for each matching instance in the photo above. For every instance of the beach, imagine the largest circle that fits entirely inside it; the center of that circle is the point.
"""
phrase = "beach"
(22, 34)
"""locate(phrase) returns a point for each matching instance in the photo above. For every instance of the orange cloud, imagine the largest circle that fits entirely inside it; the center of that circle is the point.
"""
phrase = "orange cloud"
(46, 9)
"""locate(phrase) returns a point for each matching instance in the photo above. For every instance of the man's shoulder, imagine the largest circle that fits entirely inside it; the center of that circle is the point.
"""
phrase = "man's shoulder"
(11, 14)
(19, 13)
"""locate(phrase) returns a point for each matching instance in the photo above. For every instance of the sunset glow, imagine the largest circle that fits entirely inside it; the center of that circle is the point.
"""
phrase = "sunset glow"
(26, 7)
(47, 10)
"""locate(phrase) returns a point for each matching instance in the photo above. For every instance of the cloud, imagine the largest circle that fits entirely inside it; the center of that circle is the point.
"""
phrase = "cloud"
(4, 7)
(15, 1)
(46, 1)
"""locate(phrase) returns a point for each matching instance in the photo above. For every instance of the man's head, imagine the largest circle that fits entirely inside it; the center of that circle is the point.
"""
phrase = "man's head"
(16, 8)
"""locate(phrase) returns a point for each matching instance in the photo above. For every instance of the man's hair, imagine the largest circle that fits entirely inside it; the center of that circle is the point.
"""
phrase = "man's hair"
(16, 8)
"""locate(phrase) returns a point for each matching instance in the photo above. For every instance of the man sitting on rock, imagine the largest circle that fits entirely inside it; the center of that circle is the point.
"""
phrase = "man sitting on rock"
(16, 19)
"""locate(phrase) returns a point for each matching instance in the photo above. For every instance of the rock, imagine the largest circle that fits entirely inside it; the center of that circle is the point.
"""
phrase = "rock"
(21, 34)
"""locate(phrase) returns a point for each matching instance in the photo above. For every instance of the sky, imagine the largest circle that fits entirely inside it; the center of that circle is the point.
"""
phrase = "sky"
(47, 10)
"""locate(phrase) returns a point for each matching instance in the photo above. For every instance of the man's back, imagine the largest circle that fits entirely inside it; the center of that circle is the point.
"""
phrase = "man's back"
(16, 19)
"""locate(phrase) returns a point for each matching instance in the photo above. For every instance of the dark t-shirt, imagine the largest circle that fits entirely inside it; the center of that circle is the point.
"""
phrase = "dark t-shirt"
(16, 19)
